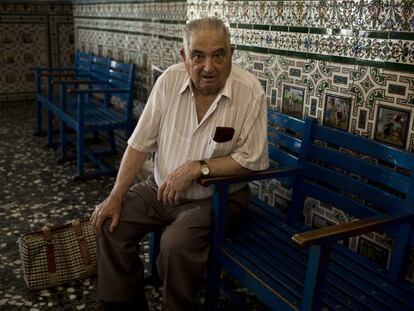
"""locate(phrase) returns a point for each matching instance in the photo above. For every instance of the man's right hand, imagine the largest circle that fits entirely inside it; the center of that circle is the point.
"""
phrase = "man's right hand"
(109, 208)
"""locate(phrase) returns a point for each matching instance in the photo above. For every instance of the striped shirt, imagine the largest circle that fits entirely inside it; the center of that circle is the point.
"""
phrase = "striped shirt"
(169, 125)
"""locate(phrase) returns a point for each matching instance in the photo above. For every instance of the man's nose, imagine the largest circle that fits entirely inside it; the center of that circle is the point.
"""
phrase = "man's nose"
(208, 65)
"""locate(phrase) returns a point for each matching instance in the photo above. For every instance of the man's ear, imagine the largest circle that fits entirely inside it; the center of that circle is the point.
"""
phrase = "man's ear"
(182, 53)
(231, 50)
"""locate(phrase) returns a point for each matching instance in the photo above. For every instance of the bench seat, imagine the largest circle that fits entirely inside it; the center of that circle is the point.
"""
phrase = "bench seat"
(264, 252)
(87, 105)
(357, 186)
(96, 118)
(81, 70)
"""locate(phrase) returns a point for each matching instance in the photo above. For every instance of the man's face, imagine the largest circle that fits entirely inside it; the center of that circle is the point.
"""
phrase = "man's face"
(208, 61)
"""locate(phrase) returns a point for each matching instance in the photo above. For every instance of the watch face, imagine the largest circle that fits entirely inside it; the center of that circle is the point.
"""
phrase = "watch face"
(205, 170)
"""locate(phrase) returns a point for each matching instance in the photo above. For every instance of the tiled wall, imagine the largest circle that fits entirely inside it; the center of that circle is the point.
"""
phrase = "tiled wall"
(349, 63)
(32, 33)
(146, 33)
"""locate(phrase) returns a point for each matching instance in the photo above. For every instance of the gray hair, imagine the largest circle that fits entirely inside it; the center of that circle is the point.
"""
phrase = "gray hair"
(205, 24)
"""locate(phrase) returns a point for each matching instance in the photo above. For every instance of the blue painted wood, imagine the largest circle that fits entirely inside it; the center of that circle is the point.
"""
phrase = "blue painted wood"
(267, 229)
(154, 249)
(79, 109)
(385, 175)
(291, 143)
(366, 146)
(270, 226)
(399, 259)
(298, 196)
(315, 277)
(81, 69)
(338, 180)
(285, 121)
(217, 235)
(244, 270)
(337, 169)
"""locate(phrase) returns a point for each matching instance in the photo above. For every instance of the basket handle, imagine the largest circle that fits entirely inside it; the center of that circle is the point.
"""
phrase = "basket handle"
(50, 255)
(83, 245)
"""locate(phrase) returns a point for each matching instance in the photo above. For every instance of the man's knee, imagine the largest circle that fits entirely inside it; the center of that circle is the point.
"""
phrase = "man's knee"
(174, 240)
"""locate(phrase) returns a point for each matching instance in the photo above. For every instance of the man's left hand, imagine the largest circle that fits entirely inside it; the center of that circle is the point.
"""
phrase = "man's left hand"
(177, 182)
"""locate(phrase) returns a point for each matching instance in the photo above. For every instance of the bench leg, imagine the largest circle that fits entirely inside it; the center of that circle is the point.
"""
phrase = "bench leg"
(63, 142)
(49, 129)
(212, 286)
(152, 277)
(39, 130)
(315, 276)
(80, 153)
(112, 141)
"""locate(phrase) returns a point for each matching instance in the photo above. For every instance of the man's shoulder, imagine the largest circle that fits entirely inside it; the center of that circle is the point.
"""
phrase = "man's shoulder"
(245, 79)
(172, 77)
(177, 69)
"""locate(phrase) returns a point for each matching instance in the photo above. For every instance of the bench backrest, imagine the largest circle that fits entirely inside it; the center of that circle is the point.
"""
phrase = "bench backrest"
(122, 76)
(99, 69)
(83, 63)
(285, 135)
(356, 175)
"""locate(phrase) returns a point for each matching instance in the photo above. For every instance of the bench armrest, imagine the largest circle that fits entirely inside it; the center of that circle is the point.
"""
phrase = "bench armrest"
(104, 91)
(339, 232)
(265, 174)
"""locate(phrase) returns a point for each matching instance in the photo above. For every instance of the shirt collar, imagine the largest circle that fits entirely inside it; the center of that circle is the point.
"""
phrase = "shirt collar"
(225, 91)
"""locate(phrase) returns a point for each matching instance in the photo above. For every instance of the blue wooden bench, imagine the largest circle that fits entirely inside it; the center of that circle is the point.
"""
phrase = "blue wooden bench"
(81, 70)
(89, 109)
(290, 266)
(89, 69)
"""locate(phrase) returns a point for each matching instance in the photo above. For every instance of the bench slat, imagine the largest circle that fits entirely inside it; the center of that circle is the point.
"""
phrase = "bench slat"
(265, 238)
(366, 146)
(286, 121)
(370, 193)
(293, 144)
(390, 178)
(285, 158)
(251, 272)
(273, 249)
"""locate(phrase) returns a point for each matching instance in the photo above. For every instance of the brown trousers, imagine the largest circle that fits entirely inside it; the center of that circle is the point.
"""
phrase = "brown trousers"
(184, 246)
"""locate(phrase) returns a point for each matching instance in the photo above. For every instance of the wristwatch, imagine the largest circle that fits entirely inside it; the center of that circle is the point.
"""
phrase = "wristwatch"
(204, 169)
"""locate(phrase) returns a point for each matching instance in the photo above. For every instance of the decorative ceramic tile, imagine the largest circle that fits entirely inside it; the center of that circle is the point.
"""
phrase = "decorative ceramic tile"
(136, 11)
(32, 35)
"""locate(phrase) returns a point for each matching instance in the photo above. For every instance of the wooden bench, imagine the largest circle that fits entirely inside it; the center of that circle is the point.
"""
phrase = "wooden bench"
(291, 266)
(90, 109)
(88, 69)
(81, 70)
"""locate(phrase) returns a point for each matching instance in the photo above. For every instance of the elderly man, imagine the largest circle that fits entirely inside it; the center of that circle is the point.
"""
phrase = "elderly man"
(204, 117)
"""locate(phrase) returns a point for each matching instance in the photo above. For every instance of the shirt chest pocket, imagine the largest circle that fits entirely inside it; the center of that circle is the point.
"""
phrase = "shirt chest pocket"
(216, 150)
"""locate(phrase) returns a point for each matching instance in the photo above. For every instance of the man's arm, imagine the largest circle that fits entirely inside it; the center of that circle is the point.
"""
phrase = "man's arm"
(131, 164)
(180, 179)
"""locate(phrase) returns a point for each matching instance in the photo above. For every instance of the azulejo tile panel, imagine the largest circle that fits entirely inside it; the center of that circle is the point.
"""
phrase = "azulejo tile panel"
(148, 32)
(149, 11)
(142, 48)
(388, 15)
(32, 35)
(366, 87)
(16, 78)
